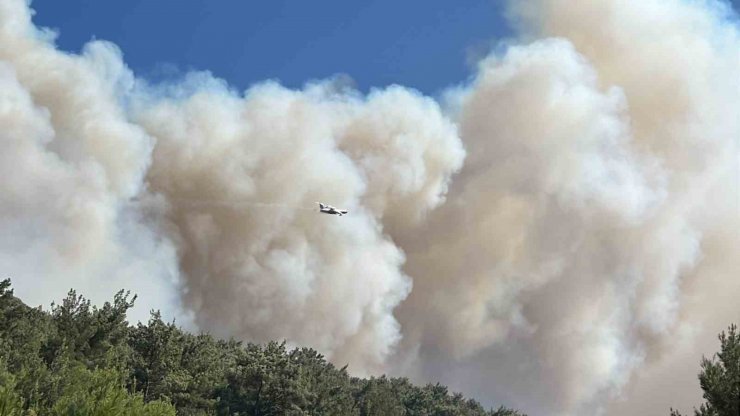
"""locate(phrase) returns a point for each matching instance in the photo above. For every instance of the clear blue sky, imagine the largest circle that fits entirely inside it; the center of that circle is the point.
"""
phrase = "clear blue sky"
(421, 44)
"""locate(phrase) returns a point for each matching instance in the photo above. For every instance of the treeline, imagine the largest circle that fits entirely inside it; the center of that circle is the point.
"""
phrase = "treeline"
(78, 359)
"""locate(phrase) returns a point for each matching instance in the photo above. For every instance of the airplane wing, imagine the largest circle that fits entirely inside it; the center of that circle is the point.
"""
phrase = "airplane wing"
(328, 209)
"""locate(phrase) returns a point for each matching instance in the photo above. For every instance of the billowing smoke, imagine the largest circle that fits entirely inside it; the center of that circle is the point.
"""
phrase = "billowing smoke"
(274, 268)
(201, 199)
(588, 239)
(559, 234)
(70, 163)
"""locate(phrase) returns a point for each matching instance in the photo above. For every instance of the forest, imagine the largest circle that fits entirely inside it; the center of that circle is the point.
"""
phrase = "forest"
(77, 359)
(83, 360)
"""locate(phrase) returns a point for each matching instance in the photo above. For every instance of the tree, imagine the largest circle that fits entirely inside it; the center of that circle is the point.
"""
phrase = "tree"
(264, 381)
(87, 332)
(720, 378)
(377, 396)
(78, 359)
(102, 393)
(11, 403)
(157, 360)
(325, 389)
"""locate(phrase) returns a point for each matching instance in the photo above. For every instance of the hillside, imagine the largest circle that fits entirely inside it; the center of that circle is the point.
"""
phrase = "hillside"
(79, 359)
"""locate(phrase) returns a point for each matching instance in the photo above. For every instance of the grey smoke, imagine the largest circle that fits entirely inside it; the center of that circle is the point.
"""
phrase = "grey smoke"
(558, 234)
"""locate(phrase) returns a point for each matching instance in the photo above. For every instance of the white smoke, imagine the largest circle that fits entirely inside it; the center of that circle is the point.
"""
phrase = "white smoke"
(271, 273)
(195, 196)
(584, 251)
(585, 247)
(70, 160)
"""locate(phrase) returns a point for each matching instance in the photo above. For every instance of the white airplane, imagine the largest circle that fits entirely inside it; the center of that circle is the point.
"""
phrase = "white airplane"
(328, 209)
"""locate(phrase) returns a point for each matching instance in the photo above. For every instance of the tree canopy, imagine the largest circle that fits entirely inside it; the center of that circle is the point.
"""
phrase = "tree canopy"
(80, 359)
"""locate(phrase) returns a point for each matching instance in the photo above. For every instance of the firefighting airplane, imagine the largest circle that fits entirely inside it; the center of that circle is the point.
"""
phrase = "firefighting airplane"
(328, 209)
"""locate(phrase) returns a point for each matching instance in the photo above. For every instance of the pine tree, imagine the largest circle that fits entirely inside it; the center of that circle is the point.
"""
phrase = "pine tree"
(720, 378)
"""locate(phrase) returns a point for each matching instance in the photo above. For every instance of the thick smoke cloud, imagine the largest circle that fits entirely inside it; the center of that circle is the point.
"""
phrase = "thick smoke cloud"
(194, 192)
(585, 247)
(266, 266)
(70, 161)
(560, 238)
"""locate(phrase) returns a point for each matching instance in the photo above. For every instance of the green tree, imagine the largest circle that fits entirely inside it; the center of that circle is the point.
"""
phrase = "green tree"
(157, 361)
(377, 396)
(204, 363)
(264, 381)
(24, 332)
(11, 403)
(78, 359)
(720, 378)
(89, 333)
(324, 389)
(102, 393)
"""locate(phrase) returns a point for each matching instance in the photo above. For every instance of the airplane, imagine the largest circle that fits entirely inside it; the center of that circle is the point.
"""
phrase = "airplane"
(328, 209)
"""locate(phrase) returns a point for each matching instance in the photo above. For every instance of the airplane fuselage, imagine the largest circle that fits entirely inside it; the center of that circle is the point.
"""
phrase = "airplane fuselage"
(328, 209)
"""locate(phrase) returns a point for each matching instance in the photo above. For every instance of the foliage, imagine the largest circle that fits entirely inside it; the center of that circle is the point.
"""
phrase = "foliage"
(102, 393)
(11, 403)
(720, 378)
(78, 359)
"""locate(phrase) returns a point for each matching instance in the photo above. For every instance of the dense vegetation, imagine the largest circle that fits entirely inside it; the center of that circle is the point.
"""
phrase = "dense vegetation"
(720, 378)
(78, 359)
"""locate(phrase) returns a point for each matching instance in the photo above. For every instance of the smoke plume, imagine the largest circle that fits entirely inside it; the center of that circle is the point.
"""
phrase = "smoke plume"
(558, 234)
(585, 247)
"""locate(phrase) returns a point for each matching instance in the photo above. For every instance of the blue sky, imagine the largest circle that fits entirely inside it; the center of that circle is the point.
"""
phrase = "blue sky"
(426, 45)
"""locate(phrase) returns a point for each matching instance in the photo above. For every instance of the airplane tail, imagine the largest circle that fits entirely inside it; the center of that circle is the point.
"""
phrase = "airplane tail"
(321, 206)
